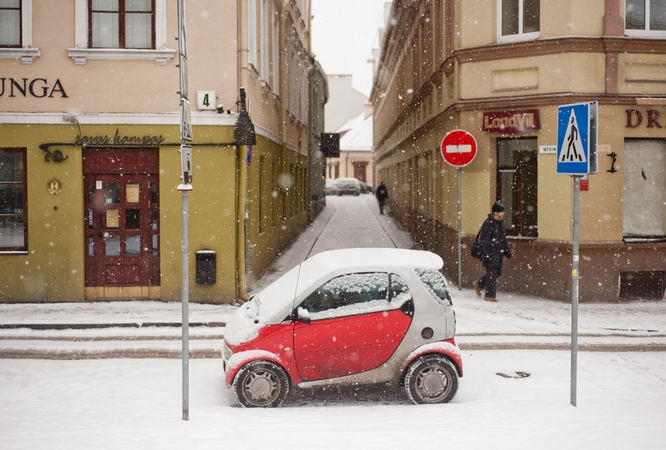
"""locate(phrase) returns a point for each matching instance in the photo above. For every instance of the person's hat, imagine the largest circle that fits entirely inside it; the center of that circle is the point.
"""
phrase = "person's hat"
(498, 207)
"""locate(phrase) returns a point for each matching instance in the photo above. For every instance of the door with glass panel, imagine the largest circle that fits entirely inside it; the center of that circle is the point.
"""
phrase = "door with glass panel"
(517, 184)
(122, 227)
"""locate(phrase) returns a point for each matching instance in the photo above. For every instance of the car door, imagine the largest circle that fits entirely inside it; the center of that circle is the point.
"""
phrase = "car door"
(356, 322)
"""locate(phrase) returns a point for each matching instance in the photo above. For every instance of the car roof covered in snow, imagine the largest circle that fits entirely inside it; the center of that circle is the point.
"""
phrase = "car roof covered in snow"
(275, 302)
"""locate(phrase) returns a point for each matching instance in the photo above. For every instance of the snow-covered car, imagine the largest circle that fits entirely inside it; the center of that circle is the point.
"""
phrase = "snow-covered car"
(347, 186)
(330, 187)
(347, 317)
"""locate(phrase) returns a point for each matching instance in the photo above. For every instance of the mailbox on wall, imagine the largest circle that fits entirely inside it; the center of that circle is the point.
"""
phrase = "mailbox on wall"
(206, 266)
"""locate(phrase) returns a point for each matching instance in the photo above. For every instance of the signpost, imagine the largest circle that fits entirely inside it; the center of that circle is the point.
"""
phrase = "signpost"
(577, 137)
(186, 137)
(459, 149)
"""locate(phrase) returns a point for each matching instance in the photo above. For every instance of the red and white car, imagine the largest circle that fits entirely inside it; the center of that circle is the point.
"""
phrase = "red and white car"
(342, 317)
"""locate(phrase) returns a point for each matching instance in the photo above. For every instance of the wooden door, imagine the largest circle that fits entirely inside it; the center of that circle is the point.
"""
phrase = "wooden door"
(122, 218)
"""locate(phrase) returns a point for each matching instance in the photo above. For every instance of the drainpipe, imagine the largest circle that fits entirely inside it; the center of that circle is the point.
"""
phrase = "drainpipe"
(244, 136)
(241, 156)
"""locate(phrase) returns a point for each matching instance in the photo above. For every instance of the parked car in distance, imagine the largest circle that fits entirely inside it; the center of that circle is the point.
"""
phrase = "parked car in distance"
(330, 187)
(348, 186)
(347, 317)
(366, 188)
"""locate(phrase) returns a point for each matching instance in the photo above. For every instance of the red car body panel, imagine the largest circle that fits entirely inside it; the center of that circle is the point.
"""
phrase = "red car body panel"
(274, 339)
(347, 345)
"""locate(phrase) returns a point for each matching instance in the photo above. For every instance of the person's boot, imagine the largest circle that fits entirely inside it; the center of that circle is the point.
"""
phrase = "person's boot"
(490, 299)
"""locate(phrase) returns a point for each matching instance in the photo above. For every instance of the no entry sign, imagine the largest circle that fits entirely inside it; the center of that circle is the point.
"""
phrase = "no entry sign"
(458, 148)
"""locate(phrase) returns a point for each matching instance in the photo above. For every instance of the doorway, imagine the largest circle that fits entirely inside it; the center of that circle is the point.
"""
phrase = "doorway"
(517, 184)
(122, 226)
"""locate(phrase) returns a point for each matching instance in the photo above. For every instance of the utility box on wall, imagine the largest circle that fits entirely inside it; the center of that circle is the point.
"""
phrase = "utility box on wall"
(206, 266)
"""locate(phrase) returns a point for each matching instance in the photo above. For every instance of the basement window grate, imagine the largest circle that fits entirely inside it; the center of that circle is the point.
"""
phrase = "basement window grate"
(642, 284)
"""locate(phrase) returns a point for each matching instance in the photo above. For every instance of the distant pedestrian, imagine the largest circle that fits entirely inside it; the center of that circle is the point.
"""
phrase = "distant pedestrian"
(493, 250)
(382, 196)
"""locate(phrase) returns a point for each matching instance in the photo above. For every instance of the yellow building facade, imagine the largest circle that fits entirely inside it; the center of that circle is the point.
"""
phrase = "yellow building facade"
(499, 70)
(90, 138)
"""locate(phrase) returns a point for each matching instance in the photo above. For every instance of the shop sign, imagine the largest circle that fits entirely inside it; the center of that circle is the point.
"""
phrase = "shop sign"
(635, 118)
(118, 139)
(511, 122)
(37, 87)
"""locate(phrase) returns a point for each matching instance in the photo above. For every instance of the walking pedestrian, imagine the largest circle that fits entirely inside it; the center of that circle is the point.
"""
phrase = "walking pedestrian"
(493, 250)
(382, 196)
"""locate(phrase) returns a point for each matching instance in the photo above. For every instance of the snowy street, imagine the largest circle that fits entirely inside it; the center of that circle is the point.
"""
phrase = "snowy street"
(108, 375)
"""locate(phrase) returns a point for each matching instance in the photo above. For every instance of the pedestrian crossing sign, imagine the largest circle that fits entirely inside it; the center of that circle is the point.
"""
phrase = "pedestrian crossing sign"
(577, 139)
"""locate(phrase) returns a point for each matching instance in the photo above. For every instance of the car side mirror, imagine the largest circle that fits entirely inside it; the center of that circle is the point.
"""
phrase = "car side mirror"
(303, 315)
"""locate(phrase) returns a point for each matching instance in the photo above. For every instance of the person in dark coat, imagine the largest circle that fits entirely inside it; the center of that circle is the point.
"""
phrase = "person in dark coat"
(493, 250)
(382, 196)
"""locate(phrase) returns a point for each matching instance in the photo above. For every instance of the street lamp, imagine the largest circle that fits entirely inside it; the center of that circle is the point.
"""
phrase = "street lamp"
(244, 129)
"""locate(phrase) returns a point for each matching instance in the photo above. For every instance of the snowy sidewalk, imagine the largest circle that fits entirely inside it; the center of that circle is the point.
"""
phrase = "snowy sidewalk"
(149, 329)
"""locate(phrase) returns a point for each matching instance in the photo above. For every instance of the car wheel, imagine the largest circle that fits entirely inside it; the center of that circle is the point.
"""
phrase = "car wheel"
(261, 384)
(431, 379)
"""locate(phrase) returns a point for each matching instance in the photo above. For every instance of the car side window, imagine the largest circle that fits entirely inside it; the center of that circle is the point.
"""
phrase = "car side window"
(436, 284)
(399, 290)
(351, 294)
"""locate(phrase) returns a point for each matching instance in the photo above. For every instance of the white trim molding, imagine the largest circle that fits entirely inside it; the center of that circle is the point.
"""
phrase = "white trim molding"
(81, 55)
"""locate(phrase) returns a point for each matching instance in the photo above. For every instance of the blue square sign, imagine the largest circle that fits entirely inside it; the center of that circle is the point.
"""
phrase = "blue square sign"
(577, 139)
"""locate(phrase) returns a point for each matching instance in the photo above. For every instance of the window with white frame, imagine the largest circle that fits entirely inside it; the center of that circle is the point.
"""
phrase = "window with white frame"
(252, 35)
(265, 42)
(518, 20)
(276, 47)
(121, 29)
(10, 23)
(645, 18)
(13, 223)
(16, 31)
(644, 189)
(122, 24)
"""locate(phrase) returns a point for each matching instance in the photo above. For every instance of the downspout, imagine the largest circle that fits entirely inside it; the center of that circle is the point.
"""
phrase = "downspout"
(241, 156)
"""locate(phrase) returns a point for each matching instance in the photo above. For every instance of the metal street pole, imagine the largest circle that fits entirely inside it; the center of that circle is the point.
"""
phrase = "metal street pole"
(184, 188)
(185, 303)
(459, 233)
(574, 290)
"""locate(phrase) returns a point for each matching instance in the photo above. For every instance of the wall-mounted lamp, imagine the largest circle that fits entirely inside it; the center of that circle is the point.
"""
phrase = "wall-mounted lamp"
(614, 156)
(244, 129)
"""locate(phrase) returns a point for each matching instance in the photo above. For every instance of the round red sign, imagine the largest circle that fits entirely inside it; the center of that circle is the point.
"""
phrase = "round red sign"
(458, 148)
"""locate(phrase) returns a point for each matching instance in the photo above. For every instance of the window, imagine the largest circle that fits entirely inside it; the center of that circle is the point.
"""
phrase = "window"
(13, 226)
(357, 293)
(252, 36)
(122, 24)
(517, 185)
(645, 17)
(644, 189)
(121, 30)
(265, 41)
(16, 31)
(10, 23)
(437, 285)
(518, 20)
(276, 48)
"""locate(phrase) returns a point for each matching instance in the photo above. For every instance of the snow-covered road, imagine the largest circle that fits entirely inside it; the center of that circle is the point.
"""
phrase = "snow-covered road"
(135, 403)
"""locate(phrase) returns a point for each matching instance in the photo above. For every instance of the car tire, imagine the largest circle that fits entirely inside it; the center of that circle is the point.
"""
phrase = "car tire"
(261, 384)
(431, 379)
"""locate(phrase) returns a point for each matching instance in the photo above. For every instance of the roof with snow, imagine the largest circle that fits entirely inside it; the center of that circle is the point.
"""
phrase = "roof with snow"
(356, 134)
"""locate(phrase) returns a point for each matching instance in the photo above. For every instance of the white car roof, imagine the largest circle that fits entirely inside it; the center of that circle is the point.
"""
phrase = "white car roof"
(275, 302)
